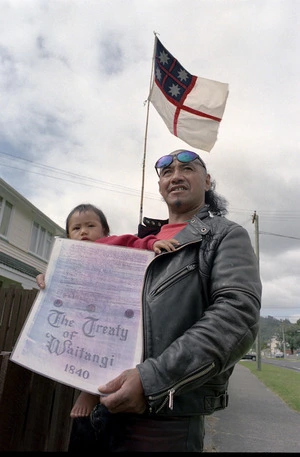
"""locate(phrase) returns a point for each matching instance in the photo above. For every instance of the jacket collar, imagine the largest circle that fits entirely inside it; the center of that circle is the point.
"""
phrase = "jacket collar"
(196, 227)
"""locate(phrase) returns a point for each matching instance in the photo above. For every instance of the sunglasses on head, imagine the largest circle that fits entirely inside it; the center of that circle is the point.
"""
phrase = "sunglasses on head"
(183, 157)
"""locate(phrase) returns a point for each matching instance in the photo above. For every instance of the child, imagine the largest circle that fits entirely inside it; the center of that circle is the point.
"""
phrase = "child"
(88, 223)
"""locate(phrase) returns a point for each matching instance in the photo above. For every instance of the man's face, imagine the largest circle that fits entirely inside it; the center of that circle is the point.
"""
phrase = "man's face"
(183, 185)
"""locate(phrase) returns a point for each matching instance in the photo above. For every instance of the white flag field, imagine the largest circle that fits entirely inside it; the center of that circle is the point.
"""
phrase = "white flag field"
(191, 107)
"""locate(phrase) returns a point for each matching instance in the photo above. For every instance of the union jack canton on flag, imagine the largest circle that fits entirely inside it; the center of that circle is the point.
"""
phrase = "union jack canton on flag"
(191, 107)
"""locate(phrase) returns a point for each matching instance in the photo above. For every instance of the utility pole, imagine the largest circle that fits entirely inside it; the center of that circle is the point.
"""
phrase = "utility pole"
(256, 250)
(283, 339)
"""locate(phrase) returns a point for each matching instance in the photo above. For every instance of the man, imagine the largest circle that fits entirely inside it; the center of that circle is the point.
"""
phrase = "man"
(201, 306)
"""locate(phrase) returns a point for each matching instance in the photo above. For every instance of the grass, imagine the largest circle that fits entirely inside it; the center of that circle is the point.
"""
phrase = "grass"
(284, 382)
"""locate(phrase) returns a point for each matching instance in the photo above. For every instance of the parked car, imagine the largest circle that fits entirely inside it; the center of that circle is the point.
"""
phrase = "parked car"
(249, 356)
(279, 355)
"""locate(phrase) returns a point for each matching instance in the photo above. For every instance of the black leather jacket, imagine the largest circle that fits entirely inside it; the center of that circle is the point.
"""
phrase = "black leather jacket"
(201, 307)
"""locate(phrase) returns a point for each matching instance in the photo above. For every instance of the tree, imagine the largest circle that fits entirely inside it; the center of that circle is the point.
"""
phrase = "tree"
(292, 336)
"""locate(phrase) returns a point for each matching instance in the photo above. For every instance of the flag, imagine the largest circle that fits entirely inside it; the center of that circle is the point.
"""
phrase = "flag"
(191, 107)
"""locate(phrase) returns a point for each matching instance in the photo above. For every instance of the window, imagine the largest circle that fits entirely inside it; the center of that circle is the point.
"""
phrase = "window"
(5, 214)
(41, 241)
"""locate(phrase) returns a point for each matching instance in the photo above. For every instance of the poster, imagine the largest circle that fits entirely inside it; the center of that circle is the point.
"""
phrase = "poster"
(85, 327)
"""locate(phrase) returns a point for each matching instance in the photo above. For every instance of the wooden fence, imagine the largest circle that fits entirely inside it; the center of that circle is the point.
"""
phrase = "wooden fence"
(34, 410)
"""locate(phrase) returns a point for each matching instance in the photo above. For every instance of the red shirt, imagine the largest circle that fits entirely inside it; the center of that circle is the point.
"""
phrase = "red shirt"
(168, 231)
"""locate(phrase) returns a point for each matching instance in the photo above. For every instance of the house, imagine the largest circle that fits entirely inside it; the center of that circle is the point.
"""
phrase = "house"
(26, 239)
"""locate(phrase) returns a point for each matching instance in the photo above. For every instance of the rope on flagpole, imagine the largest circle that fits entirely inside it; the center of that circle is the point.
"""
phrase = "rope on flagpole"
(146, 131)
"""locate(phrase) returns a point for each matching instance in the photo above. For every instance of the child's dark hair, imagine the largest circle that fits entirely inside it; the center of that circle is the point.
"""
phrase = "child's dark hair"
(88, 207)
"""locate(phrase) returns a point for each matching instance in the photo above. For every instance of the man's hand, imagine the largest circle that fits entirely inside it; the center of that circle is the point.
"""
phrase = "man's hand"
(124, 394)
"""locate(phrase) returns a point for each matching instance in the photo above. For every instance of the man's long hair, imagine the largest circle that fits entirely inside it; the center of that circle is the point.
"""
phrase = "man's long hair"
(217, 203)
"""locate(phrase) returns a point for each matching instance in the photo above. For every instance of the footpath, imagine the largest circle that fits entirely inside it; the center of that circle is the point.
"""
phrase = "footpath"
(256, 420)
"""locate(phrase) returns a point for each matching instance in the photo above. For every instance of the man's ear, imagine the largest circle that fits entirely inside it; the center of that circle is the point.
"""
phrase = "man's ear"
(207, 181)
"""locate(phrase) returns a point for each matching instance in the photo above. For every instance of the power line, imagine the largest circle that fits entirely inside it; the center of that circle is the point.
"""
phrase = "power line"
(277, 234)
(103, 184)
(278, 215)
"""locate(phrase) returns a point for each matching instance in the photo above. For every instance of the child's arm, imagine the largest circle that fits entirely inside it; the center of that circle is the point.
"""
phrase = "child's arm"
(149, 242)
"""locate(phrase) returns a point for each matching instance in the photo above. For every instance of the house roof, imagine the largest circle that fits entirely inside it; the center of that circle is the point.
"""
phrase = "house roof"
(10, 262)
(40, 217)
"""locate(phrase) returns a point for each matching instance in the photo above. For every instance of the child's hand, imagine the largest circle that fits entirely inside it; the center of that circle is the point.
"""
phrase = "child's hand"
(40, 280)
(167, 245)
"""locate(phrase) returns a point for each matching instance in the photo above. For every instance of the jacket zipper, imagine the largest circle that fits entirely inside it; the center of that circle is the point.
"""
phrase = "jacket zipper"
(174, 278)
(169, 394)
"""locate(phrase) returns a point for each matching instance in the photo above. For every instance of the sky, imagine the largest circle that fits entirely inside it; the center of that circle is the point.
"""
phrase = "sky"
(75, 125)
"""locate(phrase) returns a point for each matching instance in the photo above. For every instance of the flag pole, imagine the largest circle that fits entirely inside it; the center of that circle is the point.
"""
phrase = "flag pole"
(146, 133)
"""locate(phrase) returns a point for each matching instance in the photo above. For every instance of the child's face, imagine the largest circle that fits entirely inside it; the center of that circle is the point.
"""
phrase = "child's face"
(85, 226)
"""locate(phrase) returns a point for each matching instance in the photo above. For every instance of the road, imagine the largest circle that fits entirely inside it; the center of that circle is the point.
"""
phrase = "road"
(292, 362)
